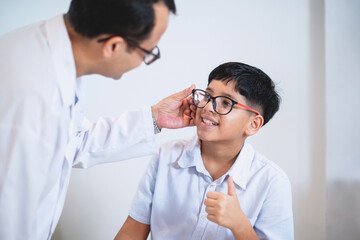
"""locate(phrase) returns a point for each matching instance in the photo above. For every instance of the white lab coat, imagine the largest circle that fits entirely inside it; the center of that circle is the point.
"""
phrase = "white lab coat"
(42, 134)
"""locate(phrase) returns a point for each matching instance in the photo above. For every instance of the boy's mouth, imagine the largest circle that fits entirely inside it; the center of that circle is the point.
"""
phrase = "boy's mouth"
(209, 122)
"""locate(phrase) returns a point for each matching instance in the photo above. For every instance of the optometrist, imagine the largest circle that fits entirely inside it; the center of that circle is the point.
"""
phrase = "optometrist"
(42, 133)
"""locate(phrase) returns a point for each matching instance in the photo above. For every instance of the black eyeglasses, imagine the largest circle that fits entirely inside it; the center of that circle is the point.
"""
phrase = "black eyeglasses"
(221, 104)
(149, 57)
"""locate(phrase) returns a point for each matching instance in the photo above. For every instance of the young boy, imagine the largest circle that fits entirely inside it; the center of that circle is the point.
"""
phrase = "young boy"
(216, 186)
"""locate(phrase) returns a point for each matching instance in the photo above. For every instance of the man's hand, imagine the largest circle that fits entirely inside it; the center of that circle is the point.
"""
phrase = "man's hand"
(174, 111)
(224, 209)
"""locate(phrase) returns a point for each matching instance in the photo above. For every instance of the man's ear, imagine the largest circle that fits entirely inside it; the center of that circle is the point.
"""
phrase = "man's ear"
(113, 47)
(255, 124)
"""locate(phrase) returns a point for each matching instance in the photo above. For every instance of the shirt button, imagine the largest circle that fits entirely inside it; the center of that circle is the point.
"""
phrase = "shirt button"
(203, 216)
(212, 186)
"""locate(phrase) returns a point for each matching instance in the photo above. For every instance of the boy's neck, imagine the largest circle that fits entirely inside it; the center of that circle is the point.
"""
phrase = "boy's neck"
(218, 157)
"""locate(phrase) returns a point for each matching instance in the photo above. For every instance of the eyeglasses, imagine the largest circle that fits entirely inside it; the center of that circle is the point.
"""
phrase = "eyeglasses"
(149, 57)
(221, 104)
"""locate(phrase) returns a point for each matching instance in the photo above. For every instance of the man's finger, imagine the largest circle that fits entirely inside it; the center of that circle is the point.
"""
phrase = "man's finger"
(184, 93)
(189, 99)
(185, 106)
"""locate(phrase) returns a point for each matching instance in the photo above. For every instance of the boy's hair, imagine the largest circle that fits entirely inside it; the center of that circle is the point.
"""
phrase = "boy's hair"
(130, 19)
(253, 84)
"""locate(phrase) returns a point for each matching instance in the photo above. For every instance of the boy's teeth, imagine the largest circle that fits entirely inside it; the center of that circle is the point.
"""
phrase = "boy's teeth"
(208, 122)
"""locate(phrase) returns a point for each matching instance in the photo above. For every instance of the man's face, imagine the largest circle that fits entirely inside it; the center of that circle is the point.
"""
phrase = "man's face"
(214, 127)
(129, 60)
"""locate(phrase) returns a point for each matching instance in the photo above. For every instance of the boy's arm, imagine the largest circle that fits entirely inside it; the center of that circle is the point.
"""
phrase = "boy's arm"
(224, 209)
(133, 230)
(137, 225)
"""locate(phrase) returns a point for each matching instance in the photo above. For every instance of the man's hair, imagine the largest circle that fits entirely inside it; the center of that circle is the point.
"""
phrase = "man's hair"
(130, 19)
(252, 83)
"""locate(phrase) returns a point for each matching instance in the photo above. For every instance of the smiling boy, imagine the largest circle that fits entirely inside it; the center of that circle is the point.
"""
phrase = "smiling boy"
(216, 186)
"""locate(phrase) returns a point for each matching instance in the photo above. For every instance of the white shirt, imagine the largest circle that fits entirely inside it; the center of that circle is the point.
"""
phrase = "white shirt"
(172, 192)
(42, 134)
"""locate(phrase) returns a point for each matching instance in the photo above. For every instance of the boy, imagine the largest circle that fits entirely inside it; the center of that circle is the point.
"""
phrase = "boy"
(216, 186)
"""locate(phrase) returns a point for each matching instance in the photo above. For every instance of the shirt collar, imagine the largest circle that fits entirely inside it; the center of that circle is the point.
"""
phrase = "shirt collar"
(241, 168)
(191, 155)
(239, 171)
(63, 59)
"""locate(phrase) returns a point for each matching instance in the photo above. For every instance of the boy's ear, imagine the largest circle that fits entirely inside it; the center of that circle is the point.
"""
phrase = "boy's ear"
(113, 47)
(254, 126)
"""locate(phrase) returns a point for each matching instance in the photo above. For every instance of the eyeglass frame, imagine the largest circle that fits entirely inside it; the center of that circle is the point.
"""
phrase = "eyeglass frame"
(135, 44)
(214, 102)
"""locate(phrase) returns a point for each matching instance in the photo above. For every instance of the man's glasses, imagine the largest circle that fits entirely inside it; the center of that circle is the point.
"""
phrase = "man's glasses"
(149, 57)
(221, 104)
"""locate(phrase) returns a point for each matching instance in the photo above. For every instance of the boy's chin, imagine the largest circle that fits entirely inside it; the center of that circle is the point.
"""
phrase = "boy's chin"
(205, 137)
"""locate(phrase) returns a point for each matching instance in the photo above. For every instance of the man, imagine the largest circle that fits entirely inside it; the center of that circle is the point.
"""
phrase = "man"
(42, 134)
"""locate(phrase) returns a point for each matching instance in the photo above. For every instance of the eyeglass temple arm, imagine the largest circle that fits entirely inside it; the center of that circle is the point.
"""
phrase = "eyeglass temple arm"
(249, 108)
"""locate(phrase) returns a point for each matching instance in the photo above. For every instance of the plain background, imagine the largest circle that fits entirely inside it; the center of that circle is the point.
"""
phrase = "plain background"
(311, 49)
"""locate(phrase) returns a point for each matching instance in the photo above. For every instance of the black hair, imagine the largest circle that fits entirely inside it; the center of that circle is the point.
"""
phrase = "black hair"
(130, 19)
(252, 83)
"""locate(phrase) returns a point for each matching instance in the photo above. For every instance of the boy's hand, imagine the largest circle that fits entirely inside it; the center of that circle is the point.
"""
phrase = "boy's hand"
(224, 209)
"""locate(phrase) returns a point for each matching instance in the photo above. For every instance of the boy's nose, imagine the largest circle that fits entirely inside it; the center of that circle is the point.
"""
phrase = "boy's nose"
(210, 106)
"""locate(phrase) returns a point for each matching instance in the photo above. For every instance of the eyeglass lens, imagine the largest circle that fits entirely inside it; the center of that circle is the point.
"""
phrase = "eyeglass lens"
(151, 57)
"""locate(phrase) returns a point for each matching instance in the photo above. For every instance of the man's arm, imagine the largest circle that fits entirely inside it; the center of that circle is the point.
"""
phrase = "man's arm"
(130, 135)
(133, 230)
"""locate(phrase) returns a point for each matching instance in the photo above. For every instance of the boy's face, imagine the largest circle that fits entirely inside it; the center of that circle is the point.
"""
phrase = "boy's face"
(214, 127)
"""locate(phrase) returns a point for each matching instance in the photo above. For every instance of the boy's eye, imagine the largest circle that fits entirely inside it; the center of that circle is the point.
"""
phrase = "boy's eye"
(226, 102)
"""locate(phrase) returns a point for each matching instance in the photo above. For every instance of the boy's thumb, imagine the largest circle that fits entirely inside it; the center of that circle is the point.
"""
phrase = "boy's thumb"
(231, 187)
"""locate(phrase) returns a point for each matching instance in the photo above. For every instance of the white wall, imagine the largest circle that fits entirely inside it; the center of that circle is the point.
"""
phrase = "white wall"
(284, 38)
(343, 114)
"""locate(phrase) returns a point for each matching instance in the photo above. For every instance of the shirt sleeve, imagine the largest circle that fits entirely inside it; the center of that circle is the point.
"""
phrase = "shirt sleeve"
(275, 220)
(141, 207)
(113, 139)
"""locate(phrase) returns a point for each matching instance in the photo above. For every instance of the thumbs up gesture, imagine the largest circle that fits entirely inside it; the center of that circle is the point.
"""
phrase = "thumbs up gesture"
(224, 209)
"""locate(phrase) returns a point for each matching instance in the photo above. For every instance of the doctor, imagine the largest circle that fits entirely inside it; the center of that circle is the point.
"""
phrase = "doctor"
(42, 134)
